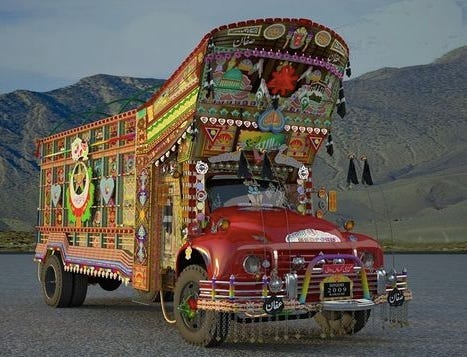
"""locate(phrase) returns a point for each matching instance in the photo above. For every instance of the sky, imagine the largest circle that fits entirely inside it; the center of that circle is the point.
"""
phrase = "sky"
(48, 44)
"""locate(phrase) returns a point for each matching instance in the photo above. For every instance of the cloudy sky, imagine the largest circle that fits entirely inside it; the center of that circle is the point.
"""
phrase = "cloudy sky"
(47, 44)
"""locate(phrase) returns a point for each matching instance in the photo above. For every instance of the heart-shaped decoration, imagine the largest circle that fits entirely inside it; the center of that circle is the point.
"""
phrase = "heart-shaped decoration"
(317, 130)
(302, 129)
(204, 120)
(55, 191)
(230, 122)
(294, 128)
(324, 131)
(238, 122)
(286, 127)
(309, 129)
(213, 120)
(221, 121)
(107, 186)
(247, 123)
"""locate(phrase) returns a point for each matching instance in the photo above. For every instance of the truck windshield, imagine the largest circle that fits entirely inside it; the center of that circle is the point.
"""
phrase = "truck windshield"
(225, 192)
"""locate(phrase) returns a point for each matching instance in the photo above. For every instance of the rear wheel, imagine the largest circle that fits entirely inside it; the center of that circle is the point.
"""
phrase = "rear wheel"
(198, 327)
(80, 289)
(56, 283)
(109, 284)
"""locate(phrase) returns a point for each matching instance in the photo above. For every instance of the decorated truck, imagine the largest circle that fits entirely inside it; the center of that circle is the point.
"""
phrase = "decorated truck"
(204, 195)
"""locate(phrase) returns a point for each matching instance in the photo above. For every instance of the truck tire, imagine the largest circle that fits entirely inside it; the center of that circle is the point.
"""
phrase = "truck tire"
(198, 327)
(56, 283)
(109, 284)
(80, 289)
(361, 318)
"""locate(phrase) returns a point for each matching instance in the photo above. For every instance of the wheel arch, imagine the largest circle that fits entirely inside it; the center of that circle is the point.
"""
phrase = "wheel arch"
(197, 257)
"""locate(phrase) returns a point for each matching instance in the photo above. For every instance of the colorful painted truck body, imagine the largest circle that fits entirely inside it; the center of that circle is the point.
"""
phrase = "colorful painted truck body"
(206, 191)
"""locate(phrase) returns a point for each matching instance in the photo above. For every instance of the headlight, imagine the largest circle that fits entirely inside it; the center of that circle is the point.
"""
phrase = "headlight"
(368, 260)
(252, 264)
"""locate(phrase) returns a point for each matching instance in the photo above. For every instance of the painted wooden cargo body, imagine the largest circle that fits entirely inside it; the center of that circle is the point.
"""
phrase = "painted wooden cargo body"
(206, 191)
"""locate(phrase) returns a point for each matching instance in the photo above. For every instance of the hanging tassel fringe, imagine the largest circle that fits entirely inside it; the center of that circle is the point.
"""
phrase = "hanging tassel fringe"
(329, 145)
(340, 103)
(243, 169)
(352, 172)
(266, 170)
(348, 70)
(366, 175)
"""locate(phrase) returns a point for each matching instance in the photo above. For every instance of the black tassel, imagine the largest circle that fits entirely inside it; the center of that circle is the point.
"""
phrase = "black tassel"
(352, 173)
(366, 175)
(266, 170)
(243, 170)
(209, 83)
(275, 101)
(341, 102)
(348, 70)
(329, 145)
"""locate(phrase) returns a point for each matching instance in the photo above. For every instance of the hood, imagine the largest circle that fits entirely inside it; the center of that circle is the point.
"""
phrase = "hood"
(275, 225)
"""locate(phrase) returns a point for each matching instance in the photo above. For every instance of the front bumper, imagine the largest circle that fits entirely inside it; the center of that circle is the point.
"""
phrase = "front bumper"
(356, 290)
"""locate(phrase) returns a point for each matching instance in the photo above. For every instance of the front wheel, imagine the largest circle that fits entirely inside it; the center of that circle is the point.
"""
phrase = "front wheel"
(56, 283)
(198, 327)
(342, 322)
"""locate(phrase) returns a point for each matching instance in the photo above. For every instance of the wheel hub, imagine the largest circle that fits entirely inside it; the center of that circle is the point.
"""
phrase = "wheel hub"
(189, 307)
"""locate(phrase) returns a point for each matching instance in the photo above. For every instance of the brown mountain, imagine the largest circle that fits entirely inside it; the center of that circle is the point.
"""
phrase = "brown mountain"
(409, 122)
(26, 116)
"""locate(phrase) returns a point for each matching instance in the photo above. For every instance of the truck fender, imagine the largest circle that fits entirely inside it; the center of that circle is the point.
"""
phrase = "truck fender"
(197, 256)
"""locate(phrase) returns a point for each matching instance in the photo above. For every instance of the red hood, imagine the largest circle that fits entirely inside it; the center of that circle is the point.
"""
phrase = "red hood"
(276, 225)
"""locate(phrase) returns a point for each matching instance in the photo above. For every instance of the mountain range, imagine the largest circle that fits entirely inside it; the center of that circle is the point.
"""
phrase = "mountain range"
(409, 122)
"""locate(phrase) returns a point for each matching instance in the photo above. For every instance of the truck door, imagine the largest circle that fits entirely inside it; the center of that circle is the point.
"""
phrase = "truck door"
(169, 214)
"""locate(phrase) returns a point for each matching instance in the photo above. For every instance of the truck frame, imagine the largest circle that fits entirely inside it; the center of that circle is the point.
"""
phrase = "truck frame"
(205, 193)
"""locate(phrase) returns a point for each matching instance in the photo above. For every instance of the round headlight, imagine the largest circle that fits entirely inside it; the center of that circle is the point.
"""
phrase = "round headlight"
(252, 264)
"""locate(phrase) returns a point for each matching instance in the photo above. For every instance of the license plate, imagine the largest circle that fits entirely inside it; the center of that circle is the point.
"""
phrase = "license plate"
(336, 287)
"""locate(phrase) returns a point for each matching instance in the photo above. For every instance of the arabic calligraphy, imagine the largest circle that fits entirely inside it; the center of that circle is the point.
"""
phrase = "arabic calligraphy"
(337, 268)
(396, 297)
(243, 41)
(273, 305)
